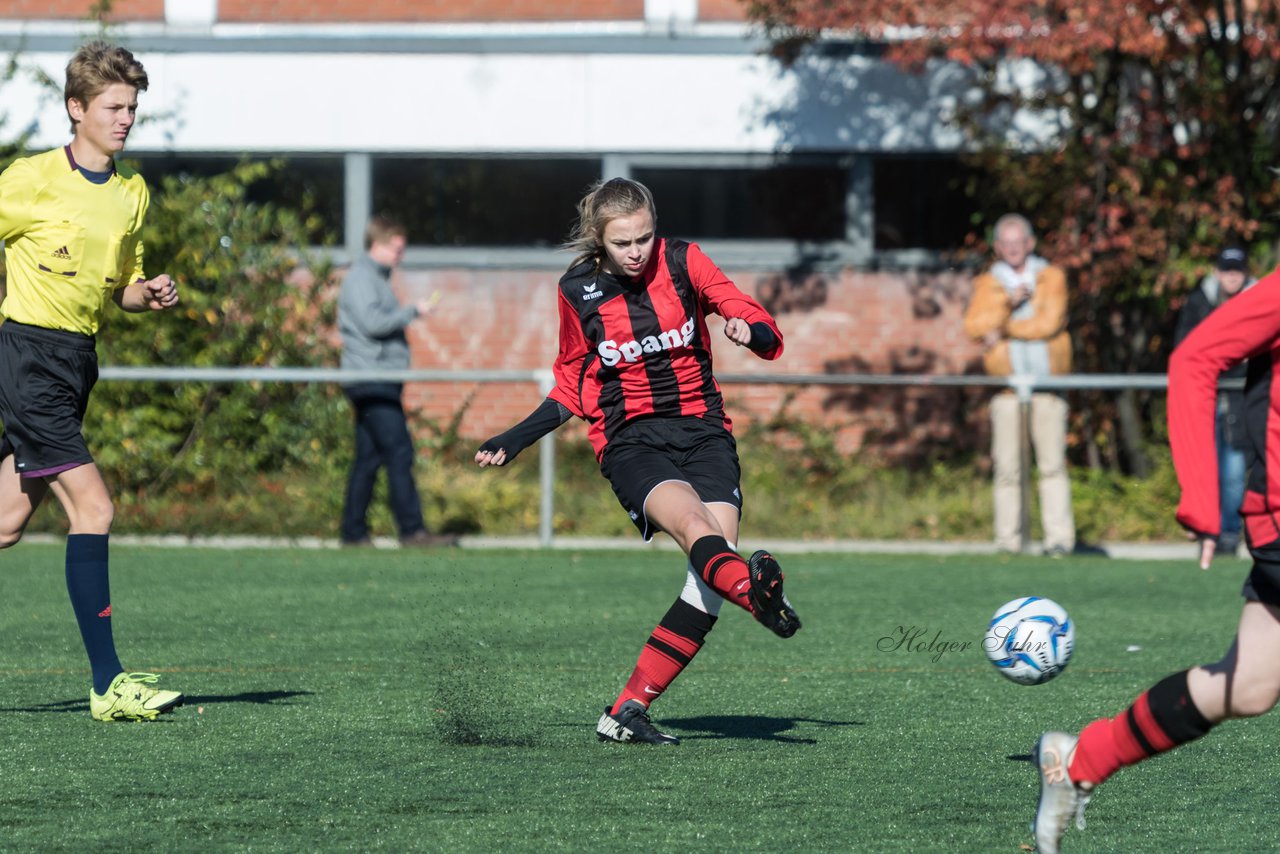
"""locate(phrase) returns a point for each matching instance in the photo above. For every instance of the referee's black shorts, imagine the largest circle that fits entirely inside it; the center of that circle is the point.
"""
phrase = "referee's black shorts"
(656, 450)
(45, 379)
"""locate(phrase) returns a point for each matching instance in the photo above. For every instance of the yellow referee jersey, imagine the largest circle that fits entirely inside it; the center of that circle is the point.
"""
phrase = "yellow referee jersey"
(69, 243)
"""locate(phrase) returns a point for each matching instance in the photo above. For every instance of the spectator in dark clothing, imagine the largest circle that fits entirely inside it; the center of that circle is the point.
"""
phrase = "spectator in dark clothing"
(372, 322)
(1230, 277)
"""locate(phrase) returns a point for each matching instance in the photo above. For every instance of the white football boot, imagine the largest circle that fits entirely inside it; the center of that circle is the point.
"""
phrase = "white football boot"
(1060, 799)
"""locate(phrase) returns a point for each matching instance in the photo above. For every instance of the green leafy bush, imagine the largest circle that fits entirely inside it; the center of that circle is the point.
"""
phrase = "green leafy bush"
(788, 494)
(249, 298)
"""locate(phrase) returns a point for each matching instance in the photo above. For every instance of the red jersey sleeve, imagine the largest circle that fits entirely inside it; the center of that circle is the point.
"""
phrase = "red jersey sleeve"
(719, 295)
(570, 359)
(1245, 325)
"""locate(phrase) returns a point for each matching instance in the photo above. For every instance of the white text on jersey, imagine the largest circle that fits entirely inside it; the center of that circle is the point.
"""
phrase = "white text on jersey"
(611, 352)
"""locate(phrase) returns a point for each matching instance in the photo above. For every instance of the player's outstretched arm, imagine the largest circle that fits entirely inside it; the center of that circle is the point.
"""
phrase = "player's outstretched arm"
(504, 447)
(155, 294)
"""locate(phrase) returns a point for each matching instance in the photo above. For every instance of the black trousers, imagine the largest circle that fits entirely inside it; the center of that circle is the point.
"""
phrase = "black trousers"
(382, 441)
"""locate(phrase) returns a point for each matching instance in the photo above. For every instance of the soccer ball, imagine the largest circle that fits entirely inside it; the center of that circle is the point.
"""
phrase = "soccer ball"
(1030, 640)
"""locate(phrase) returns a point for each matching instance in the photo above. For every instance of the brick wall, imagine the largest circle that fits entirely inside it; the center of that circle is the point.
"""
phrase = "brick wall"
(328, 11)
(722, 10)
(373, 11)
(849, 322)
(121, 10)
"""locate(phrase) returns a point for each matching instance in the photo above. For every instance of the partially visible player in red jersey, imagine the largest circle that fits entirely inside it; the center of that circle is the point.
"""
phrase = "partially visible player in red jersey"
(1246, 681)
(635, 363)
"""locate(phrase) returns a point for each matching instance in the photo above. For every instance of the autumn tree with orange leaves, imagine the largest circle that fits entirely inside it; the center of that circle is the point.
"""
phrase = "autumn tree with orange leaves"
(1166, 124)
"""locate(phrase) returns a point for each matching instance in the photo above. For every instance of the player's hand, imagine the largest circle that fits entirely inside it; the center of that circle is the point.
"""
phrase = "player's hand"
(738, 331)
(1208, 545)
(160, 293)
(488, 456)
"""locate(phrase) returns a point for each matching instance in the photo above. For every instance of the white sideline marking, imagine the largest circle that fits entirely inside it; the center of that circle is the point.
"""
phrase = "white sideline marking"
(1123, 551)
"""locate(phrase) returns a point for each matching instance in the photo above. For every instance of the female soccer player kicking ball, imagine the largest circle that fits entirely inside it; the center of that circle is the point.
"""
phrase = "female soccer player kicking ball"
(71, 222)
(1246, 681)
(635, 362)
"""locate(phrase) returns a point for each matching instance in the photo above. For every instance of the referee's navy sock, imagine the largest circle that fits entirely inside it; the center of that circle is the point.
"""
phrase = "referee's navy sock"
(91, 600)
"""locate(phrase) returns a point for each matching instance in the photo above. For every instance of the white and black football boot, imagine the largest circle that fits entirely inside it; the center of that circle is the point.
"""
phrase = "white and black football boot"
(631, 725)
(770, 604)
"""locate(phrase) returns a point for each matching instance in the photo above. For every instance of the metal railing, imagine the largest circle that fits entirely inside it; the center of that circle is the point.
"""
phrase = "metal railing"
(1023, 385)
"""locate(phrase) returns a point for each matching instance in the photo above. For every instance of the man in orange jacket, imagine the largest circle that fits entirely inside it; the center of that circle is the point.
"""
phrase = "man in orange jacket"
(1019, 313)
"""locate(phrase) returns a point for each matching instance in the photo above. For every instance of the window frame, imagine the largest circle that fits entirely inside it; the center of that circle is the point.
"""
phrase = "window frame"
(855, 250)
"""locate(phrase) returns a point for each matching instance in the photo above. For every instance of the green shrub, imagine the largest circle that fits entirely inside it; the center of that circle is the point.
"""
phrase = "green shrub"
(788, 493)
(249, 298)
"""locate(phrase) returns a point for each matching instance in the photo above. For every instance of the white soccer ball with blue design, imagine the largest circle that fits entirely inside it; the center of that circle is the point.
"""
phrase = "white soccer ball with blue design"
(1030, 640)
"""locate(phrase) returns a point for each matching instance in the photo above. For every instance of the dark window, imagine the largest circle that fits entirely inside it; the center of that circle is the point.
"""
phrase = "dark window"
(312, 184)
(789, 202)
(922, 203)
(482, 202)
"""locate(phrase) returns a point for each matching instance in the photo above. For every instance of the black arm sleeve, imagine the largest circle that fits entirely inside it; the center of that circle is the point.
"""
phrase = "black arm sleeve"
(762, 337)
(547, 417)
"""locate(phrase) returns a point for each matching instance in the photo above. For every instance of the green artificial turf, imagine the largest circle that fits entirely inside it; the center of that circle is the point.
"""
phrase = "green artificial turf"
(446, 701)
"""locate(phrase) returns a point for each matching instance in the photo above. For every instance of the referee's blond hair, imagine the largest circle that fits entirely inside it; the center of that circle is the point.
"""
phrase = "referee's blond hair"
(94, 67)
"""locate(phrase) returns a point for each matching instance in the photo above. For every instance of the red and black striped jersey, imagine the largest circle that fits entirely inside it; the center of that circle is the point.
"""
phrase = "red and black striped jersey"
(1247, 326)
(631, 348)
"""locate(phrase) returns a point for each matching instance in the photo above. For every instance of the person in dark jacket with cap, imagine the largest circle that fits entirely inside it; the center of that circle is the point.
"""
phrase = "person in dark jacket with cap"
(1230, 277)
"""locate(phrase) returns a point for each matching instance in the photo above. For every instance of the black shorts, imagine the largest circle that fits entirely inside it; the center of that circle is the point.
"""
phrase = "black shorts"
(1263, 583)
(656, 450)
(45, 379)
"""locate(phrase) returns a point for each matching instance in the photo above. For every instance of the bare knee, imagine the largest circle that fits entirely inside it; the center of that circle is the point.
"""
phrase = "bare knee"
(102, 515)
(692, 526)
(12, 527)
(93, 517)
(1249, 701)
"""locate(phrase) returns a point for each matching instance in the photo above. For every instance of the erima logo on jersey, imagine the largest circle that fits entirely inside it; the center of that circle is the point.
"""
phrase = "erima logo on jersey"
(591, 292)
(62, 253)
(611, 352)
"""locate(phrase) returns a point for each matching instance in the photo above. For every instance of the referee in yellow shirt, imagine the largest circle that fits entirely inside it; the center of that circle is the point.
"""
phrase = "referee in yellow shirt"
(71, 221)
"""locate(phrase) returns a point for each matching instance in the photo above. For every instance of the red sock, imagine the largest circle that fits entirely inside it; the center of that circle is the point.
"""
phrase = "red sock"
(668, 651)
(723, 570)
(1158, 721)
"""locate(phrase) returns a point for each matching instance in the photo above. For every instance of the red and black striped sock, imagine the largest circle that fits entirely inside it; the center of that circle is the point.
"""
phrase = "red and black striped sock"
(723, 569)
(668, 651)
(1162, 718)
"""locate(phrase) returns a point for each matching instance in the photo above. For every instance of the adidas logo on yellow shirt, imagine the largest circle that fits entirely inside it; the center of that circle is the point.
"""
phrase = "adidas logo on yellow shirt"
(62, 253)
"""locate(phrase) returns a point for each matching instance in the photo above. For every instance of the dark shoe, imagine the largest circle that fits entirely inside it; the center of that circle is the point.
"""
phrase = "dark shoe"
(426, 539)
(631, 724)
(362, 543)
(1228, 543)
(767, 599)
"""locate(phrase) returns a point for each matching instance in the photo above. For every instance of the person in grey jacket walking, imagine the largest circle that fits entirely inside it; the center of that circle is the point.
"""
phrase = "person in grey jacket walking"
(372, 323)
